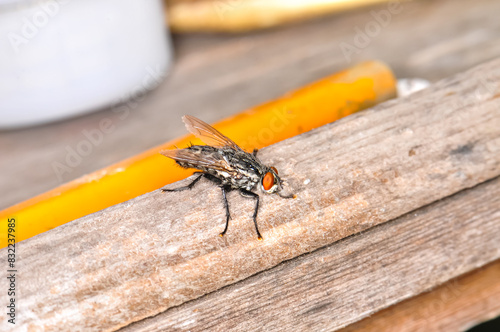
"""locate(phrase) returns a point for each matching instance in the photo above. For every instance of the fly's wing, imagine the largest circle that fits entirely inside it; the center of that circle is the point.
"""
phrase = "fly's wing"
(207, 133)
(197, 160)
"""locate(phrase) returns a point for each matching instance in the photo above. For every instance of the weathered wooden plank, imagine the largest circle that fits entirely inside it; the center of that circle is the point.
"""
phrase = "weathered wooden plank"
(457, 305)
(143, 256)
(356, 277)
(216, 76)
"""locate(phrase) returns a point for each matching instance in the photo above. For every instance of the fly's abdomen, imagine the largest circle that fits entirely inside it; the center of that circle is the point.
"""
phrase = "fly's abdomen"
(202, 157)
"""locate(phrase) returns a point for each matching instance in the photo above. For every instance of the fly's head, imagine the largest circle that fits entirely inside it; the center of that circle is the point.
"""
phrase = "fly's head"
(270, 183)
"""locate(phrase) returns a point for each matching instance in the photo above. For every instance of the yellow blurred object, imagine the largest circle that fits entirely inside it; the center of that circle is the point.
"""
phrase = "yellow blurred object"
(312, 106)
(244, 15)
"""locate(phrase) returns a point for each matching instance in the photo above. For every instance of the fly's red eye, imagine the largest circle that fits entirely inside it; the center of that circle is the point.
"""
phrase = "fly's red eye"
(268, 181)
(274, 169)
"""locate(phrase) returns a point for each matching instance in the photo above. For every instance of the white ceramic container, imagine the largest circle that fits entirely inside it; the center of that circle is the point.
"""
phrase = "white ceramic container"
(61, 58)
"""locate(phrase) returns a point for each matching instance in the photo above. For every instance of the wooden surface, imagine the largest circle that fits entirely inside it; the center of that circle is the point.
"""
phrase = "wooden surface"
(248, 15)
(141, 257)
(355, 277)
(218, 75)
(457, 305)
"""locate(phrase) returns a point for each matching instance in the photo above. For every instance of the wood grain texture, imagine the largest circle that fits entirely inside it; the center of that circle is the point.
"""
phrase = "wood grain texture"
(457, 305)
(143, 256)
(246, 15)
(356, 277)
(215, 76)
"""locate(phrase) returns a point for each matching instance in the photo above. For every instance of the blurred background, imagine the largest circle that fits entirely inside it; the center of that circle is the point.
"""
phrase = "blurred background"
(112, 78)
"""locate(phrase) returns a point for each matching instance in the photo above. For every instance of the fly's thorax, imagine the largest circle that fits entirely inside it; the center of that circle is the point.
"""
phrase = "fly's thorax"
(234, 168)
(247, 170)
(255, 172)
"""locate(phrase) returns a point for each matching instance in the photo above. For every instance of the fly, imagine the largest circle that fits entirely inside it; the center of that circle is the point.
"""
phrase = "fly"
(227, 165)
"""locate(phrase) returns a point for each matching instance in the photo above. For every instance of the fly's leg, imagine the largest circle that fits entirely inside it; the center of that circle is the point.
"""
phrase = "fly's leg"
(255, 152)
(249, 194)
(287, 196)
(189, 186)
(226, 205)
(224, 190)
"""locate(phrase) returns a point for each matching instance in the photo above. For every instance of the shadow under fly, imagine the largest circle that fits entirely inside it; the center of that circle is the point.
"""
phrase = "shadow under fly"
(227, 165)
